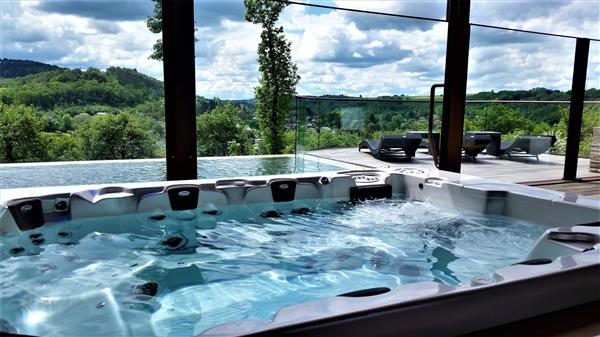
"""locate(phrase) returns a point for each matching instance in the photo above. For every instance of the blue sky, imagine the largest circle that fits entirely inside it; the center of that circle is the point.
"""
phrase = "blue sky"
(337, 52)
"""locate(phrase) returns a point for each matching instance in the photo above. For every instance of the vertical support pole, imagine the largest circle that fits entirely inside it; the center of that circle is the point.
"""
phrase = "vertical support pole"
(582, 50)
(180, 88)
(455, 84)
(296, 136)
(319, 126)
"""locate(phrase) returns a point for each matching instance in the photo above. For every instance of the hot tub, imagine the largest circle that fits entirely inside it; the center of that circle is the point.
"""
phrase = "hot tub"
(352, 253)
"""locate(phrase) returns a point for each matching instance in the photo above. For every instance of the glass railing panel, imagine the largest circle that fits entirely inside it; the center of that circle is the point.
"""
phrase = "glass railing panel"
(304, 120)
(351, 61)
(542, 125)
(589, 149)
(521, 82)
(343, 122)
(527, 141)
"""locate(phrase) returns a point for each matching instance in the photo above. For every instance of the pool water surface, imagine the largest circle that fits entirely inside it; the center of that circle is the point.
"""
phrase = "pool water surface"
(110, 172)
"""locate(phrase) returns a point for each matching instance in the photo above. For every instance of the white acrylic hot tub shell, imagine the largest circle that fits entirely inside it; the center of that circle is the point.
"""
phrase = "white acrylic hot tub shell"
(420, 309)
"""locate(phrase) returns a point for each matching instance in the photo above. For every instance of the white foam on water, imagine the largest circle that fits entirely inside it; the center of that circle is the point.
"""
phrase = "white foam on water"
(246, 269)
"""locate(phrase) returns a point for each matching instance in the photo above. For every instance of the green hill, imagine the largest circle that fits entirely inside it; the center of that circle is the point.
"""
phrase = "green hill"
(115, 87)
(18, 68)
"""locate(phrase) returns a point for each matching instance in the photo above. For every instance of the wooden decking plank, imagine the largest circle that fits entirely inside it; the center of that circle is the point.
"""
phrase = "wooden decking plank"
(591, 189)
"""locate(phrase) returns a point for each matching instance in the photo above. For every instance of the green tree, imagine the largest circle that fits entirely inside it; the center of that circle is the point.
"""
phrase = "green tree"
(21, 137)
(278, 79)
(80, 120)
(501, 118)
(66, 123)
(372, 125)
(63, 146)
(93, 89)
(154, 24)
(221, 132)
(590, 119)
(122, 136)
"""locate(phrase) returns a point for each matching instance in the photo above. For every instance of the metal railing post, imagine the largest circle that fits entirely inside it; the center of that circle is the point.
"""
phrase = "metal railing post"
(180, 88)
(455, 84)
(319, 126)
(296, 136)
(432, 141)
(582, 50)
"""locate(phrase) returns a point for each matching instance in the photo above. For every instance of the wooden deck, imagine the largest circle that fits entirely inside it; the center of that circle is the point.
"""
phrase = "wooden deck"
(522, 170)
(588, 188)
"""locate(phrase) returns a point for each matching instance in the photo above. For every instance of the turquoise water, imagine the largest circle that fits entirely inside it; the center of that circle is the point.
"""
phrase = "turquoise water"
(239, 266)
(81, 173)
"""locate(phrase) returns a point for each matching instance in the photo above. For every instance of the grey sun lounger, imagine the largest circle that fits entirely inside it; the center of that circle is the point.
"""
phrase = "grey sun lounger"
(493, 148)
(399, 146)
(528, 146)
(425, 141)
(475, 144)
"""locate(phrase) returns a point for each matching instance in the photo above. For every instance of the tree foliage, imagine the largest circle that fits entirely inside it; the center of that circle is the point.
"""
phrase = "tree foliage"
(221, 132)
(20, 134)
(122, 136)
(590, 119)
(57, 114)
(117, 87)
(501, 118)
(64, 146)
(154, 24)
(278, 79)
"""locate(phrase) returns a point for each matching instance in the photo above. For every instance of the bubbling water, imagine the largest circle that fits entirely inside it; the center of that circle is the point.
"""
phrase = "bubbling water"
(170, 277)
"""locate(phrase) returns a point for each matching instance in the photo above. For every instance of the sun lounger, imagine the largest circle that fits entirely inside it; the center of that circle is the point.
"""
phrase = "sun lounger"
(425, 141)
(475, 144)
(531, 146)
(493, 148)
(399, 146)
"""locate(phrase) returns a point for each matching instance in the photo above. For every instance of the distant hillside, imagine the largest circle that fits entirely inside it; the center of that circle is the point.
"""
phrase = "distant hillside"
(18, 68)
(115, 87)
(536, 94)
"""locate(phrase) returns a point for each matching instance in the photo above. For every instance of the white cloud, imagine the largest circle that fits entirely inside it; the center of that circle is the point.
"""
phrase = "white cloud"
(517, 67)
(75, 41)
(578, 17)
(230, 70)
(374, 44)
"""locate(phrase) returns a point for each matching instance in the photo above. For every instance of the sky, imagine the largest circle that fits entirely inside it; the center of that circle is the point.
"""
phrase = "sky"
(337, 52)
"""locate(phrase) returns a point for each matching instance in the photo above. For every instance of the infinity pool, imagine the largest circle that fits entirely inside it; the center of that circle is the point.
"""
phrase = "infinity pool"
(110, 172)
(179, 273)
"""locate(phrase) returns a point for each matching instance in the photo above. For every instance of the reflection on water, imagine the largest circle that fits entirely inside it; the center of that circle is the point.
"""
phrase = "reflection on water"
(270, 166)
